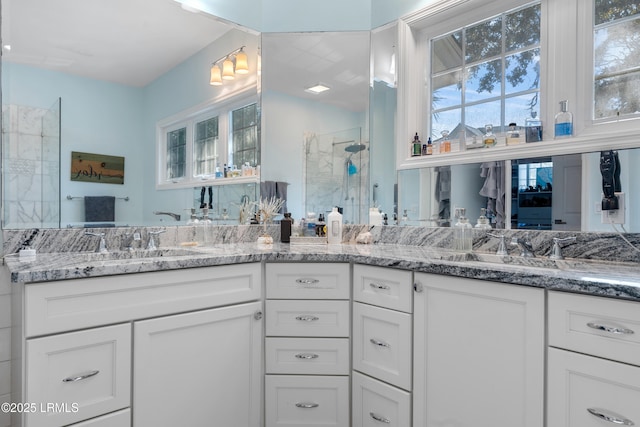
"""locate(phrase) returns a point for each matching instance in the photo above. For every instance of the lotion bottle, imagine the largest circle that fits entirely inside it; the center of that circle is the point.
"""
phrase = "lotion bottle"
(463, 233)
(375, 217)
(334, 227)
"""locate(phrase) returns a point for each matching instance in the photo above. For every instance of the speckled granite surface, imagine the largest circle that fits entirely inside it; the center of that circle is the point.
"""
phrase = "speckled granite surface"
(620, 280)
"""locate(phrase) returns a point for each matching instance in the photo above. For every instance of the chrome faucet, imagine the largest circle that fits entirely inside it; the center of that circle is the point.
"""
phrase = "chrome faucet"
(502, 247)
(171, 214)
(102, 246)
(152, 243)
(525, 246)
(556, 251)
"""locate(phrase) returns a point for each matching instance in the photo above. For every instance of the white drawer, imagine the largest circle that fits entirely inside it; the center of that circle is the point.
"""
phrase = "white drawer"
(90, 370)
(376, 404)
(382, 344)
(384, 287)
(324, 356)
(306, 401)
(598, 326)
(313, 318)
(584, 389)
(307, 281)
(115, 419)
(82, 303)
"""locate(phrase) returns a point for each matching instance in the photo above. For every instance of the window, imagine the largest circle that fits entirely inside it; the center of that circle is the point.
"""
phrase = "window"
(191, 146)
(616, 53)
(486, 73)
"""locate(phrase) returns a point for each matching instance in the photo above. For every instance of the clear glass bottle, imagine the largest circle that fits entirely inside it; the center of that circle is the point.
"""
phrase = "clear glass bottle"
(489, 139)
(483, 221)
(513, 135)
(533, 128)
(563, 121)
(463, 233)
(445, 144)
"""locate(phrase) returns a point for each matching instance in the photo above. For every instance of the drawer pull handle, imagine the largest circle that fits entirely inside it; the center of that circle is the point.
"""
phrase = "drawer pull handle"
(610, 329)
(80, 377)
(307, 281)
(307, 318)
(379, 418)
(610, 418)
(379, 286)
(307, 405)
(307, 356)
(379, 343)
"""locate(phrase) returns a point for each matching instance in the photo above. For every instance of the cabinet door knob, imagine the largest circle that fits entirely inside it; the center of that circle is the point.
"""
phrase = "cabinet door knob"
(600, 413)
(379, 343)
(307, 405)
(257, 315)
(380, 286)
(80, 377)
(307, 281)
(307, 318)
(418, 287)
(611, 329)
(379, 418)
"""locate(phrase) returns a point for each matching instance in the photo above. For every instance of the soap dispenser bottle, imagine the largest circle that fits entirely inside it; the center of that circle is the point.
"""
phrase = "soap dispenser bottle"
(375, 217)
(334, 227)
(483, 221)
(463, 232)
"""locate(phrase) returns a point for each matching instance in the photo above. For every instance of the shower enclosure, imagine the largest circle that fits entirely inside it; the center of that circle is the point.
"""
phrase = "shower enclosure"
(337, 173)
(31, 166)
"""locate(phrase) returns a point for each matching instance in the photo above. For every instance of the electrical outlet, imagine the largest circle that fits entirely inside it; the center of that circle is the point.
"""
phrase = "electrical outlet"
(615, 216)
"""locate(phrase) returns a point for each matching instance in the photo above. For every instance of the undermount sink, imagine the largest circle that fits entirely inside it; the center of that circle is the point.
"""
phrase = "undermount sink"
(138, 254)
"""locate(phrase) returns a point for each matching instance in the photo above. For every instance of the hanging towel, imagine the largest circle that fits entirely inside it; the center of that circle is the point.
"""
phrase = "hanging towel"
(281, 193)
(494, 189)
(443, 194)
(99, 208)
(267, 190)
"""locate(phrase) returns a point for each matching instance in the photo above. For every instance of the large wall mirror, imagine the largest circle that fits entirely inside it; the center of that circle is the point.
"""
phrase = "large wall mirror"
(98, 81)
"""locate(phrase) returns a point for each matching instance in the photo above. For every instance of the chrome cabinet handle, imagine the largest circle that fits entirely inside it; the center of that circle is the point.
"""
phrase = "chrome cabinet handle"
(609, 417)
(80, 377)
(307, 281)
(379, 343)
(306, 356)
(379, 286)
(610, 329)
(307, 318)
(307, 405)
(379, 418)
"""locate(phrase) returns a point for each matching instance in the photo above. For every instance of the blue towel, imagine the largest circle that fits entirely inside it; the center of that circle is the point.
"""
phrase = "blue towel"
(99, 208)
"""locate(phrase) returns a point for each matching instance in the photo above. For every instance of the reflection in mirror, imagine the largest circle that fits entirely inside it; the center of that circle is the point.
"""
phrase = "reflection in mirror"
(225, 203)
(300, 126)
(560, 193)
(118, 73)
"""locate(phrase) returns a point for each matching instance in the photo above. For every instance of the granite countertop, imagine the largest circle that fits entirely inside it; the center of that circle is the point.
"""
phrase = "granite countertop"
(619, 280)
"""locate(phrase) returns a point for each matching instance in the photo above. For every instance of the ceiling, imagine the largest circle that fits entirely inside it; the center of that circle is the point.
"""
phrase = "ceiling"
(130, 42)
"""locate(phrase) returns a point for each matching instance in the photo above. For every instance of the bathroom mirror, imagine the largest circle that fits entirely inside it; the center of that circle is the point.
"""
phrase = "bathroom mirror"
(118, 70)
(315, 101)
(545, 193)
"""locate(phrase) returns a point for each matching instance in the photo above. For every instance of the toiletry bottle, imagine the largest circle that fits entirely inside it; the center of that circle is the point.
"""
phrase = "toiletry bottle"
(286, 225)
(463, 233)
(429, 147)
(445, 144)
(533, 128)
(513, 134)
(334, 227)
(483, 221)
(564, 121)
(375, 217)
(489, 138)
(416, 146)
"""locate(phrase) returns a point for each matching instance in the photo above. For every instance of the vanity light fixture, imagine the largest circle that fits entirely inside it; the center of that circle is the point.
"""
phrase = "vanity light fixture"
(235, 62)
(317, 89)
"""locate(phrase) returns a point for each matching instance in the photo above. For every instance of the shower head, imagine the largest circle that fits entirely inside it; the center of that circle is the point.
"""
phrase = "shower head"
(354, 148)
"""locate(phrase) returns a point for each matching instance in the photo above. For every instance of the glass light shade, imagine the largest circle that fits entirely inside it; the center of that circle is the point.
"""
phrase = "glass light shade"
(242, 66)
(216, 77)
(227, 70)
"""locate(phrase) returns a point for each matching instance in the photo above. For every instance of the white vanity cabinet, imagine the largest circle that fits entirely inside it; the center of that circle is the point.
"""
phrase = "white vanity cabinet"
(479, 352)
(593, 361)
(307, 329)
(180, 347)
(382, 343)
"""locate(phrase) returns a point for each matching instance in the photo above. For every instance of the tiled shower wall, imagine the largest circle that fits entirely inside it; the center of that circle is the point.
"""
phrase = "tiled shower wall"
(31, 156)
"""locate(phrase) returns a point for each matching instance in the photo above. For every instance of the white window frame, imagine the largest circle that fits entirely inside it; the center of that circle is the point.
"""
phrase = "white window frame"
(566, 43)
(221, 108)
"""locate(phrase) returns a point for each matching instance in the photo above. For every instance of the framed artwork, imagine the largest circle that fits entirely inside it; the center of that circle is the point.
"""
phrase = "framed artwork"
(89, 167)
